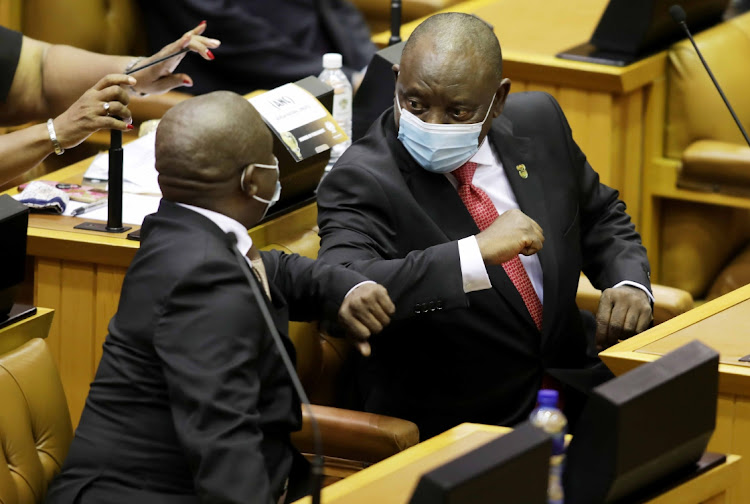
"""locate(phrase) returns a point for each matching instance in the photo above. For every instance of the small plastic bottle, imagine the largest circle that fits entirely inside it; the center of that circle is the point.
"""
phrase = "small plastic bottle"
(548, 417)
(342, 100)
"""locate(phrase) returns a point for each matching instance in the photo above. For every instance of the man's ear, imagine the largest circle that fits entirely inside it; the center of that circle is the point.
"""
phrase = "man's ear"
(396, 67)
(248, 184)
(500, 96)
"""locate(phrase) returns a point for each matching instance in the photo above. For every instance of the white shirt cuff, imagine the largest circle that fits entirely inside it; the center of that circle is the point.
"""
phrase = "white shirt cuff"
(360, 283)
(637, 285)
(473, 271)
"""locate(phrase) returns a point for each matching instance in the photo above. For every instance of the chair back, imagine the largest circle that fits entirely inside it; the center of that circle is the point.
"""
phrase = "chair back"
(35, 427)
(695, 111)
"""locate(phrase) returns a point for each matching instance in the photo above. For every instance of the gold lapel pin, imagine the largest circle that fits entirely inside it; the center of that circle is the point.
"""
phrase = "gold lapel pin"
(522, 171)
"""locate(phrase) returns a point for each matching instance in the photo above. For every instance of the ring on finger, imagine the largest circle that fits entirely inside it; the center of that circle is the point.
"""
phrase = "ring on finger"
(106, 108)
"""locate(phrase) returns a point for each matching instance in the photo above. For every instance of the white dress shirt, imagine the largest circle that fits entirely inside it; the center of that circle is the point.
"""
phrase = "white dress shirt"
(490, 178)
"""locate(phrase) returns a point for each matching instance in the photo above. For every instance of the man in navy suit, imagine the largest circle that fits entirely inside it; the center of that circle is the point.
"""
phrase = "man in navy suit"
(191, 402)
(264, 43)
(478, 212)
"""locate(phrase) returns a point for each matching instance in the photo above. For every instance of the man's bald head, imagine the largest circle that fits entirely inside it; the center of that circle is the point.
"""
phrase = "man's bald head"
(203, 143)
(459, 37)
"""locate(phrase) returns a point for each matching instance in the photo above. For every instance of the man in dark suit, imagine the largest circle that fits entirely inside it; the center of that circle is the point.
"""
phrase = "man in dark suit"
(264, 44)
(191, 402)
(480, 243)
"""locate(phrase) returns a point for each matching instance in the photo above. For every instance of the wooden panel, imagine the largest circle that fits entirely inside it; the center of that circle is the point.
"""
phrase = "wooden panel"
(741, 445)
(10, 14)
(48, 278)
(36, 326)
(721, 441)
(76, 337)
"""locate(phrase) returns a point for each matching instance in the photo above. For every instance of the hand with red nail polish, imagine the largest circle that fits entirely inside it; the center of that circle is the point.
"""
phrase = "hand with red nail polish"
(161, 78)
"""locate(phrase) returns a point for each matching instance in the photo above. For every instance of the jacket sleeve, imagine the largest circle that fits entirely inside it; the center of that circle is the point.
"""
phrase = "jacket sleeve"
(209, 346)
(610, 246)
(358, 230)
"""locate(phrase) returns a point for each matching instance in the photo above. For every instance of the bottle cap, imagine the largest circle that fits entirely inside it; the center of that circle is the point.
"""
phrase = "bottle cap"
(547, 397)
(332, 60)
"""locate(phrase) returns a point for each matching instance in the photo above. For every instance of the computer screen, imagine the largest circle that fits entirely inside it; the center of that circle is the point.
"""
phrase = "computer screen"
(644, 427)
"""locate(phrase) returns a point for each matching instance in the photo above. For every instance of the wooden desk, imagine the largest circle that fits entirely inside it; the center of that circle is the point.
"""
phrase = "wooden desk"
(394, 479)
(723, 324)
(36, 326)
(606, 106)
(80, 274)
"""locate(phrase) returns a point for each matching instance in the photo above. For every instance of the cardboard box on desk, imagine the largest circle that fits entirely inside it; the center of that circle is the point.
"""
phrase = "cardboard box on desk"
(300, 172)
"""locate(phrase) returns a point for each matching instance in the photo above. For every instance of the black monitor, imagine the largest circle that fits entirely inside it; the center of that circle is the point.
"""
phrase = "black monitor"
(512, 469)
(645, 428)
(14, 221)
(633, 29)
(376, 92)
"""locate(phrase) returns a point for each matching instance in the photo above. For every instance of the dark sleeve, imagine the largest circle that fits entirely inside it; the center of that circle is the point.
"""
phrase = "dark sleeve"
(10, 52)
(357, 229)
(312, 289)
(208, 341)
(254, 54)
(611, 247)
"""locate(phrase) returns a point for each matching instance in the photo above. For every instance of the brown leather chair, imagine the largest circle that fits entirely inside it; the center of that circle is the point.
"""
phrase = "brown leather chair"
(35, 428)
(699, 239)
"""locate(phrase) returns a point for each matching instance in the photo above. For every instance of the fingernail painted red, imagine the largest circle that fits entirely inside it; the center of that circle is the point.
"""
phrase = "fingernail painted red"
(186, 82)
(130, 126)
(203, 22)
(209, 54)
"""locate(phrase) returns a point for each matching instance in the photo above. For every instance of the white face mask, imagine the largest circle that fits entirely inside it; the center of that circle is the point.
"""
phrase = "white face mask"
(439, 148)
(277, 191)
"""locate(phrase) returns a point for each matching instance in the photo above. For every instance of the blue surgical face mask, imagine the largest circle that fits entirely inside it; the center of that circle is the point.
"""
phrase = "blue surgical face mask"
(277, 191)
(439, 148)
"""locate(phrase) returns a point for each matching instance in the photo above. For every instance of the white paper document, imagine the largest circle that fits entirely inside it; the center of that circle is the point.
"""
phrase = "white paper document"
(138, 167)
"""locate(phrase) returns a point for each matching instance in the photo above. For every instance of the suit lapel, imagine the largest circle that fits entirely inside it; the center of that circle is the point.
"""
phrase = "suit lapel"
(529, 192)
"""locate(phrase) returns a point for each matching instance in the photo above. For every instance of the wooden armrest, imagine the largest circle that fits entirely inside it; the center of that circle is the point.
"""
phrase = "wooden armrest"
(669, 303)
(356, 435)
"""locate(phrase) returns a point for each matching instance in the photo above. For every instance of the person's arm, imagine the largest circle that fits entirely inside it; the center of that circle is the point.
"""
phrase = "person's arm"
(208, 339)
(357, 231)
(315, 290)
(612, 253)
(72, 85)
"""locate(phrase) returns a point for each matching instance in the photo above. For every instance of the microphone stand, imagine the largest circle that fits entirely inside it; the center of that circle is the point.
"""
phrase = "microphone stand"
(114, 192)
(316, 469)
(678, 16)
(395, 22)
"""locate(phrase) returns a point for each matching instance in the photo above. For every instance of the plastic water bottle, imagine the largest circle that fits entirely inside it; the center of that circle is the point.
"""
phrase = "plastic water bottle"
(549, 418)
(342, 100)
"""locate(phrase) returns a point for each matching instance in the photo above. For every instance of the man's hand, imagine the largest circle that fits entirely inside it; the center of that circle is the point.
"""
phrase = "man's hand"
(365, 311)
(511, 234)
(623, 312)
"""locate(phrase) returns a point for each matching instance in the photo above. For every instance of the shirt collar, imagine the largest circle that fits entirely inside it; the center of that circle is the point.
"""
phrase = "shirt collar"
(484, 154)
(226, 224)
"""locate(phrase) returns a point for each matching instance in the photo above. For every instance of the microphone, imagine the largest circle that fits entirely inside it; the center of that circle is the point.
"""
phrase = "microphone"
(679, 16)
(317, 463)
(395, 22)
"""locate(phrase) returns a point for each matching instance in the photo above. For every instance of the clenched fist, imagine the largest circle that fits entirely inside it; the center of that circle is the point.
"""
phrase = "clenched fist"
(365, 311)
(511, 234)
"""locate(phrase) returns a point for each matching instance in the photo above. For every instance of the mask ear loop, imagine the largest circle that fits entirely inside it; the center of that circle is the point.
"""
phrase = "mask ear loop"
(259, 165)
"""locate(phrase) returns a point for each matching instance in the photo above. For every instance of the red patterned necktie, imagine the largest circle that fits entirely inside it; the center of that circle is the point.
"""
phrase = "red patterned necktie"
(484, 213)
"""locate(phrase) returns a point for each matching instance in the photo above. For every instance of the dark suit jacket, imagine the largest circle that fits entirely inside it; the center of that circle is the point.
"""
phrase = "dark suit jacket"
(265, 43)
(191, 402)
(454, 357)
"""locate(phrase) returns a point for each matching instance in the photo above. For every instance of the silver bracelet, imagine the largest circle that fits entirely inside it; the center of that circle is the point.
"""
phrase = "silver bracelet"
(53, 137)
